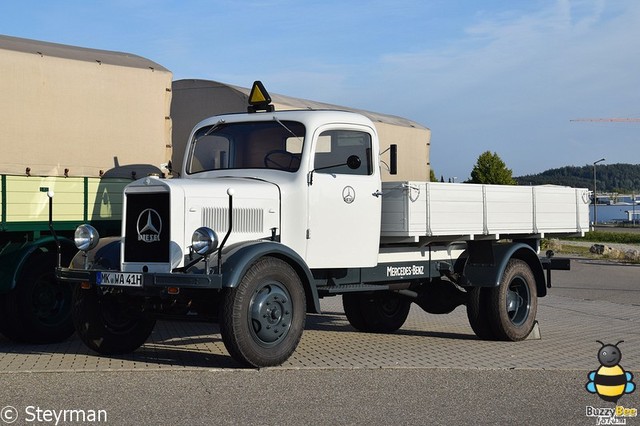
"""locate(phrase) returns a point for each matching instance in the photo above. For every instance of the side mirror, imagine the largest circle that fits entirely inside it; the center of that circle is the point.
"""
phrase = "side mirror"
(354, 162)
(393, 163)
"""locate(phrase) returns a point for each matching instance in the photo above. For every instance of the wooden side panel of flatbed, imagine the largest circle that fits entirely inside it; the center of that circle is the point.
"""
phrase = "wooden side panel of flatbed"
(432, 209)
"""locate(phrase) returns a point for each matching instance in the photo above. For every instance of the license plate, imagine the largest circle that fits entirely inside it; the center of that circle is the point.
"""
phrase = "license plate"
(125, 279)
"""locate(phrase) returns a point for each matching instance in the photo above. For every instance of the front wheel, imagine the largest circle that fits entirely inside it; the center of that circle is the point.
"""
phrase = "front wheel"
(108, 324)
(378, 312)
(514, 303)
(262, 319)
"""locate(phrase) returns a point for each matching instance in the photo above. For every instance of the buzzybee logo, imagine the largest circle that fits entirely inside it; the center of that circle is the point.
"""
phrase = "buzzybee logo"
(610, 382)
(149, 226)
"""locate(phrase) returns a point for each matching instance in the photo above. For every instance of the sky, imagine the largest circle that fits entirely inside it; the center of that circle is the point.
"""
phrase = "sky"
(505, 76)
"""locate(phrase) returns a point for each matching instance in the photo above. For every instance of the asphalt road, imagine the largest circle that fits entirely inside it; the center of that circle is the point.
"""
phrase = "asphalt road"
(599, 280)
(300, 397)
(467, 381)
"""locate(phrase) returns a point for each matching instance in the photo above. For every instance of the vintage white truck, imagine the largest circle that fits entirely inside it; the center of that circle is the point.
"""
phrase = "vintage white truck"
(277, 209)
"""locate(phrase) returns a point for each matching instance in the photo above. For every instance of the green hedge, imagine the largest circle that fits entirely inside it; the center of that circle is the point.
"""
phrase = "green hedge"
(611, 237)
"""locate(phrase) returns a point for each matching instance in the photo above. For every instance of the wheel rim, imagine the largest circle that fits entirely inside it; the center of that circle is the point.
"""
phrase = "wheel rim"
(115, 318)
(50, 300)
(390, 306)
(270, 314)
(518, 301)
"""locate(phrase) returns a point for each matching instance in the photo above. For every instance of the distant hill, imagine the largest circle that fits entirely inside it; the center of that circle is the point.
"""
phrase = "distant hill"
(621, 178)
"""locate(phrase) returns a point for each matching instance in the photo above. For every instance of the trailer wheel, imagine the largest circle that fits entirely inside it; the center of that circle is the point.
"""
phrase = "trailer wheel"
(262, 319)
(514, 302)
(378, 312)
(38, 310)
(105, 325)
(478, 309)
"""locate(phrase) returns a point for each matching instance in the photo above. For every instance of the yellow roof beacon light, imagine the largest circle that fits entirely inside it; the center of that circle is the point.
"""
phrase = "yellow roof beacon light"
(259, 99)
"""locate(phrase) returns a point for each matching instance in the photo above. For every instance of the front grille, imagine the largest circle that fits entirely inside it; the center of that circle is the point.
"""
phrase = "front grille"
(147, 228)
(245, 220)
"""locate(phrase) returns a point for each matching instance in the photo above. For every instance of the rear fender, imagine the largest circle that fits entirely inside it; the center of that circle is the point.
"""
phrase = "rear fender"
(490, 274)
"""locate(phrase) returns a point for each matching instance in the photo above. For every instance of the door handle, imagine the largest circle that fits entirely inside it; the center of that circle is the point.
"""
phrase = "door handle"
(377, 194)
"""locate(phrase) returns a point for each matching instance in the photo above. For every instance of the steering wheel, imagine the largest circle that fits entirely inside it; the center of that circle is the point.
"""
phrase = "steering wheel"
(287, 161)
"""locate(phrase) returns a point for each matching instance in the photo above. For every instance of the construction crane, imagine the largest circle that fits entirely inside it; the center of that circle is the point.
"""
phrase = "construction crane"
(609, 120)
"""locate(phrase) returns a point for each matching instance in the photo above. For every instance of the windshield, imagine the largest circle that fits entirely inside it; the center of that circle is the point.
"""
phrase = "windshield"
(249, 145)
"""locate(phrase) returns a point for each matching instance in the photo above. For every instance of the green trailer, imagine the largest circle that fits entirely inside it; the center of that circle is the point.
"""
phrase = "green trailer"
(34, 307)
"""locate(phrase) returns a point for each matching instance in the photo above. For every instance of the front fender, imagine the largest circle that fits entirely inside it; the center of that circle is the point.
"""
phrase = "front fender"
(106, 255)
(489, 275)
(238, 258)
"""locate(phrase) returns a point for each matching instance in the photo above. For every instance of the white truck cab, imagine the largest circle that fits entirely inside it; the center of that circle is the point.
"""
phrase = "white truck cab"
(321, 169)
(277, 209)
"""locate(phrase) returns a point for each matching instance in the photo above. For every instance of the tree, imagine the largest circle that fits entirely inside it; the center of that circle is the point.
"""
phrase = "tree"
(432, 176)
(491, 169)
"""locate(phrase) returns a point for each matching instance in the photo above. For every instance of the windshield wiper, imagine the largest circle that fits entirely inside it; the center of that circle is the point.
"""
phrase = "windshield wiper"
(214, 127)
(288, 129)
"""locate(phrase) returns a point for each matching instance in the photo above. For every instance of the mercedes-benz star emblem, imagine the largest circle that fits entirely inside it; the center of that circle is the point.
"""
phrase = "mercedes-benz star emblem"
(348, 194)
(149, 226)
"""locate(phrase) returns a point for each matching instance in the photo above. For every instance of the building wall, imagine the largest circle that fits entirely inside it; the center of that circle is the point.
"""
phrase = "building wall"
(82, 115)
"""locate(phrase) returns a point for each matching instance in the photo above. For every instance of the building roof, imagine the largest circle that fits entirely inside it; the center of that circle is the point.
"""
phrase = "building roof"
(288, 101)
(106, 57)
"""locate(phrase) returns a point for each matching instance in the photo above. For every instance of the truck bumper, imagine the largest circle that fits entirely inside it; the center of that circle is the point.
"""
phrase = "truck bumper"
(148, 280)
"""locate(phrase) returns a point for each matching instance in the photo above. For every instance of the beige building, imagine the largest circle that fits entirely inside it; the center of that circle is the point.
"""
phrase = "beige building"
(74, 111)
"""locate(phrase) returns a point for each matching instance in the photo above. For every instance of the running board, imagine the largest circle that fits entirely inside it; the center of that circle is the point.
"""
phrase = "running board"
(350, 288)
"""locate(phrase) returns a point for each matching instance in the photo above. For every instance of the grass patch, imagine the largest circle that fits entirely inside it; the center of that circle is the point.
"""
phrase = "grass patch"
(565, 248)
(610, 237)
(582, 251)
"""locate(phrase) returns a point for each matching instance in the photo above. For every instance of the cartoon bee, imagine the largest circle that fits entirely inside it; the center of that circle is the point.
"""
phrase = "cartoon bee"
(610, 381)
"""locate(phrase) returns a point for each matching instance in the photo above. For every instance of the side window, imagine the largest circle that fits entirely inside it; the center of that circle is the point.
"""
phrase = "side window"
(334, 148)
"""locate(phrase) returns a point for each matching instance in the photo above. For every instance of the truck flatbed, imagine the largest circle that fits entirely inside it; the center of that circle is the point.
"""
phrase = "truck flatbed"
(434, 211)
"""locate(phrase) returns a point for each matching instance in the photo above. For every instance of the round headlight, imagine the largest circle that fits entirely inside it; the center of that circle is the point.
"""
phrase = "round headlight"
(86, 237)
(204, 241)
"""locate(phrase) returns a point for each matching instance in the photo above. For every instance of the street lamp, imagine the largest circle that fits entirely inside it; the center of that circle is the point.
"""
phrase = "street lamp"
(595, 198)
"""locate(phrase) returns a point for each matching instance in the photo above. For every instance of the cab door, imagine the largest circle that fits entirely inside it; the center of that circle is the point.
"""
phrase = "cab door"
(343, 228)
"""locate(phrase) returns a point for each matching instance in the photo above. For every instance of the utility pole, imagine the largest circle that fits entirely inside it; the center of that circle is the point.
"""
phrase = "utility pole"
(595, 197)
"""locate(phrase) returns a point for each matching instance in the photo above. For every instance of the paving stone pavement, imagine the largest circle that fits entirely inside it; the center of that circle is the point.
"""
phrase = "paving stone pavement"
(569, 330)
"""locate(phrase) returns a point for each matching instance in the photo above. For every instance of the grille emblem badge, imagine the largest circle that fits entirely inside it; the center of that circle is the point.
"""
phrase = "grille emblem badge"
(149, 226)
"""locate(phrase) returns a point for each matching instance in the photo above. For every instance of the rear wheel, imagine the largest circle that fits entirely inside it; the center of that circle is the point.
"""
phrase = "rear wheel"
(262, 319)
(478, 308)
(508, 311)
(514, 302)
(38, 310)
(377, 312)
(107, 324)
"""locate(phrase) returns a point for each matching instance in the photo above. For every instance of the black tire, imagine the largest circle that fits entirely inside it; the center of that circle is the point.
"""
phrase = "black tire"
(514, 302)
(105, 325)
(478, 307)
(377, 312)
(262, 319)
(38, 310)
